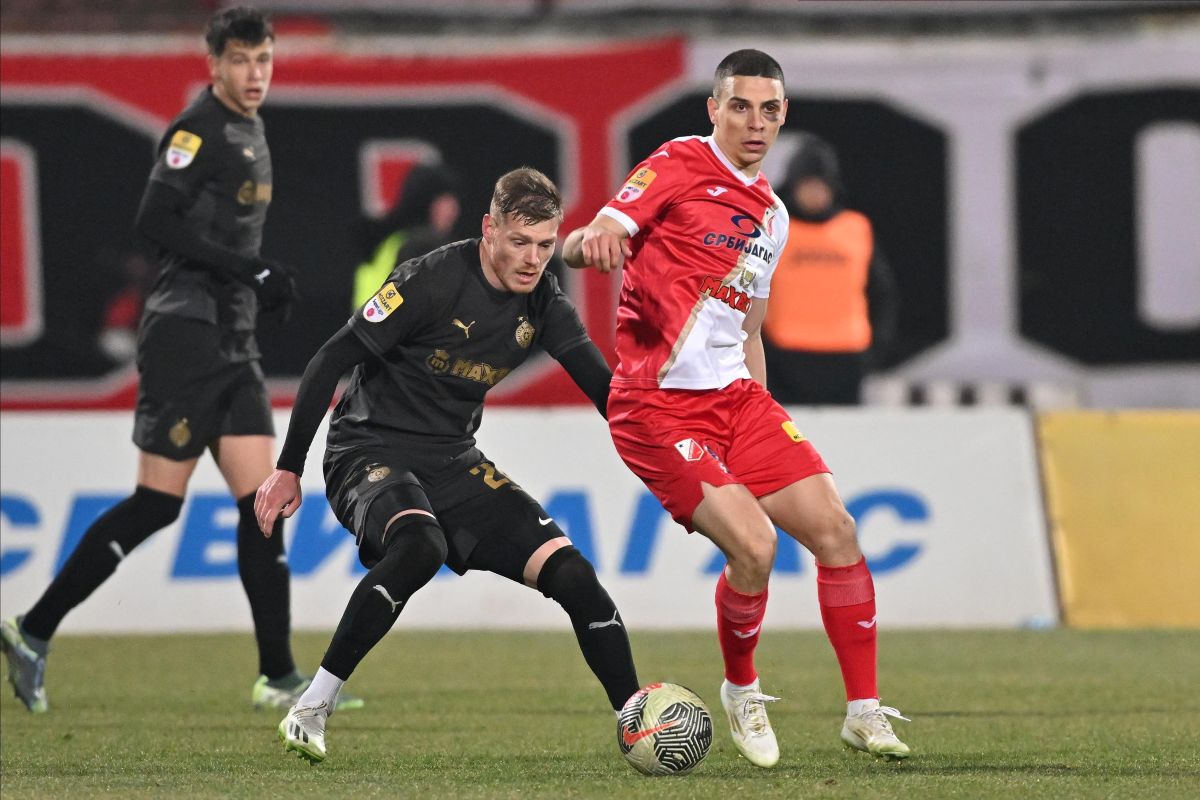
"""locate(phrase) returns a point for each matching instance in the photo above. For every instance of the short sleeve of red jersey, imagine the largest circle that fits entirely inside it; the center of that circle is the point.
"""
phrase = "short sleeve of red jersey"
(651, 186)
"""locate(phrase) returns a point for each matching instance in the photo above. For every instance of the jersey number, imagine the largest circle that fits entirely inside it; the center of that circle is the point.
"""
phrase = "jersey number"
(493, 477)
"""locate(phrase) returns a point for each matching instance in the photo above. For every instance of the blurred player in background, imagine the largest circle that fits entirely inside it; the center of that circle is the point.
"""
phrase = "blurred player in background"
(201, 384)
(422, 219)
(402, 471)
(699, 232)
(833, 304)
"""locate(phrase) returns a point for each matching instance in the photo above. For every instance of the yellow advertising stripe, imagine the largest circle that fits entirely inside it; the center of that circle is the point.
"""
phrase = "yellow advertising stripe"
(1123, 498)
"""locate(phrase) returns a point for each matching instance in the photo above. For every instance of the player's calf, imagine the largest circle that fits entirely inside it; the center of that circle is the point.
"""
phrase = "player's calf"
(570, 580)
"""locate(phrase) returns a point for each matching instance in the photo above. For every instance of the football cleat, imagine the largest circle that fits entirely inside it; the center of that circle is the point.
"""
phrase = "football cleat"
(871, 733)
(26, 668)
(265, 695)
(752, 734)
(303, 731)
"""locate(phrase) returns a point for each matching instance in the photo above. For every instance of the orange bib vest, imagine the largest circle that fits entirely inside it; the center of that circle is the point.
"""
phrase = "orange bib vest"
(818, 293)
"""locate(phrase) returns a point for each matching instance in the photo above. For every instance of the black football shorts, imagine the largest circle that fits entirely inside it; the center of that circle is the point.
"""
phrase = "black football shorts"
(191, 391)
(472, 500)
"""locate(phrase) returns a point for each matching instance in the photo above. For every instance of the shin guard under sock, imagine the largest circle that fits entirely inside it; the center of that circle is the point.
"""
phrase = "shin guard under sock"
(416, 549)
(105, 543)
(739, 623)
(263, 568)
(570, 580)
(847, 598)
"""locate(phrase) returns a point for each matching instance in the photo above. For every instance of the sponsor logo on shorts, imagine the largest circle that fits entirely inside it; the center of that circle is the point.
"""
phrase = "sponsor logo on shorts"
(638, 183)
(385, 301)
(792, 431)
(689, 449)
(378, 473)
(182, 149)
(180, 434)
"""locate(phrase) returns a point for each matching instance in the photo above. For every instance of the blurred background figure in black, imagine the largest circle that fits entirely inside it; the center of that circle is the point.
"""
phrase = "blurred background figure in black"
(422, 219)
(833, 308)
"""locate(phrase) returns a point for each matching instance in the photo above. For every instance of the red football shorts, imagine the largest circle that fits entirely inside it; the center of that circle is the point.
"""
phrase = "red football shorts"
(676, 440)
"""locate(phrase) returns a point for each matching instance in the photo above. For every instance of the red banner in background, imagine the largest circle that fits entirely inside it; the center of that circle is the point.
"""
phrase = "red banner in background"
(66, 110)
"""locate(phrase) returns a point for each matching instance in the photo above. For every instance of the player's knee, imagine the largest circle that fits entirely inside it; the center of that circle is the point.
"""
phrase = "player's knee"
(834, 534)
(752, 556)
(570, 579)
(151, 511)
(418, 541)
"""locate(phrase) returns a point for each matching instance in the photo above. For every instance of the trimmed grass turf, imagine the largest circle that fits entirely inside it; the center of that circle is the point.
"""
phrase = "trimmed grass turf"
(1021, 714)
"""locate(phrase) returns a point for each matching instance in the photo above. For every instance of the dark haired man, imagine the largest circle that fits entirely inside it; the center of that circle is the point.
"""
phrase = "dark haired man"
(699, 232)
(201, 385)
(402, 471)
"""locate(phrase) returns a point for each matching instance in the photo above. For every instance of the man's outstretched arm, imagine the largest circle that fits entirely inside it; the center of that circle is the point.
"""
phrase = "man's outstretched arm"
(280, 494)
(603, 243)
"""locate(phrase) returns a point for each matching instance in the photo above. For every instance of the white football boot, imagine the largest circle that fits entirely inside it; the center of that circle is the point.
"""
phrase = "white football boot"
(752, 734)
(870, 732)
(303, 730)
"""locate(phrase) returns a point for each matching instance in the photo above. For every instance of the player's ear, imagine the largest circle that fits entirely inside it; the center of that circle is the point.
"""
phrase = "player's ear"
(488, 226)
(213, 66)
(712, 110)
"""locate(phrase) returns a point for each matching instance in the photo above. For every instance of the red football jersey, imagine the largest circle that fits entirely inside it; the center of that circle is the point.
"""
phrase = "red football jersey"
(705, 242)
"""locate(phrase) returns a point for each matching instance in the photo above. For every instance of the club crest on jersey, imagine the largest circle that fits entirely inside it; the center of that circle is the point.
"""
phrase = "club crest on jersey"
(690, 449)
(638, 183)
(182, 149)
(385, 301)
(768, 223)
(524, 332)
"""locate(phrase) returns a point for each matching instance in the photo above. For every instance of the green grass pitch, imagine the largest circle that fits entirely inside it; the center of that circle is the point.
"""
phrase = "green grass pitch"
(1014, 714)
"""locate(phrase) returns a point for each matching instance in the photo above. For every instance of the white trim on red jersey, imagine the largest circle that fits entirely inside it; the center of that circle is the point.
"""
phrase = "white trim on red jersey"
(706, 240)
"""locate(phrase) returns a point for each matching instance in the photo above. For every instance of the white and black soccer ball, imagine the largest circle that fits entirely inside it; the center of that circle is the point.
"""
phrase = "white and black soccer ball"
(664, 729)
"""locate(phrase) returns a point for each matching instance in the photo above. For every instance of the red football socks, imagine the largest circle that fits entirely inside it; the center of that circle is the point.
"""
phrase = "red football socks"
(739, 620)
(847, 598)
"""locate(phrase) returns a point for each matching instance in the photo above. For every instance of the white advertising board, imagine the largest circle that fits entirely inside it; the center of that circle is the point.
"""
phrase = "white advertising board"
(948, 505)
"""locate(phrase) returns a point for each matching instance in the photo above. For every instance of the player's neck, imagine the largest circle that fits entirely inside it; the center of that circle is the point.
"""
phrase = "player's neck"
(750, 171)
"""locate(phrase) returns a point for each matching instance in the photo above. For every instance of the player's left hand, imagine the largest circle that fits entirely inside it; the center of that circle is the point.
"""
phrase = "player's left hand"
(275, 286)
(278, 497)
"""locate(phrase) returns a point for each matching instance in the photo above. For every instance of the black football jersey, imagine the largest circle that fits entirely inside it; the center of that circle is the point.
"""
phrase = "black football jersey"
(442, 337)
(219, 159)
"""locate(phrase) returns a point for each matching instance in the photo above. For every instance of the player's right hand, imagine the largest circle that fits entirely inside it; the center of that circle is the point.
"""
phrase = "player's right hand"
(604, 249)
(279, 496)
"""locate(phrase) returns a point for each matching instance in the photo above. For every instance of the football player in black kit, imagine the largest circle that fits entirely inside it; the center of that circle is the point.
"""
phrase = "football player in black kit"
(201, 386)
(402, 471)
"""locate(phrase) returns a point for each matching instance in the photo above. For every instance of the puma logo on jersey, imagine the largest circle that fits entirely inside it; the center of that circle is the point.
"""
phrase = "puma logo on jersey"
(717, 191)
(466, 329)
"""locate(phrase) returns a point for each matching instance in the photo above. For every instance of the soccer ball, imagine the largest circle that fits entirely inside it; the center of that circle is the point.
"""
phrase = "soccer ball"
(664, 729)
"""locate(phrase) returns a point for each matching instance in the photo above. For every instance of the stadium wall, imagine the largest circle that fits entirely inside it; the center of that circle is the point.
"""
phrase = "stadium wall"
(1036, 194)
(948, 506)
